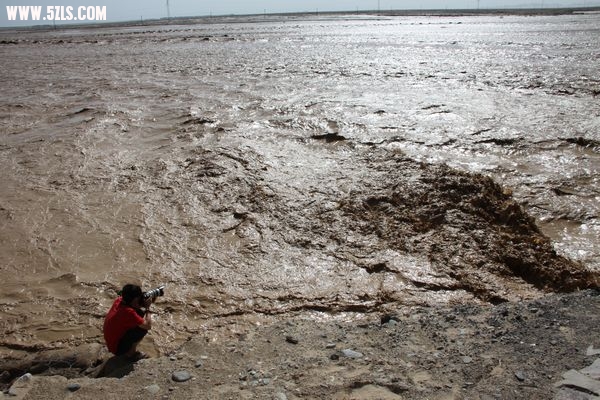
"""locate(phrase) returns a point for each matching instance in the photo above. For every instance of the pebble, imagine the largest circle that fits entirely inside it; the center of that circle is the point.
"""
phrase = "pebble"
(291, 339)
(330, 346)
(467, 359)
(24, 378)
(199, 364)
(387, 318)
(153, 389)
(181, 376)
(593, 371)
(351, 353)
(280, 396)
(520, 375)
(22, 382)
(591, 351)
(73, 387)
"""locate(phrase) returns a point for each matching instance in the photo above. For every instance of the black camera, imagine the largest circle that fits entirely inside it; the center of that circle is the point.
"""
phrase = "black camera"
(154, 293)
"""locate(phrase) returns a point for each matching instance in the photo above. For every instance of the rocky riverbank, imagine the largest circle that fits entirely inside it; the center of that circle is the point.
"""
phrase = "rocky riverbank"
(513, 350)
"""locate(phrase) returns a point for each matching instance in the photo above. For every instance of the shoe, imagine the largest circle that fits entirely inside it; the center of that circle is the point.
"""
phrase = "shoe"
(139, 355)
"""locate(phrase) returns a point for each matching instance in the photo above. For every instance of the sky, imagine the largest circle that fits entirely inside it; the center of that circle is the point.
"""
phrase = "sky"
(119, 10)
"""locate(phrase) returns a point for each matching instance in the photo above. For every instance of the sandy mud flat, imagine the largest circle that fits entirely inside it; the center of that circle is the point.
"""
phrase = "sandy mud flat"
(317, 173)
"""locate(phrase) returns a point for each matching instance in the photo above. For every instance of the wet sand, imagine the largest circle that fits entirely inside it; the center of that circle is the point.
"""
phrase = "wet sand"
(324, 168)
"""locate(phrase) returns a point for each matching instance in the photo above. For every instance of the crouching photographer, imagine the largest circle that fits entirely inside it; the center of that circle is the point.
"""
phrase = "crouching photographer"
(129, 320)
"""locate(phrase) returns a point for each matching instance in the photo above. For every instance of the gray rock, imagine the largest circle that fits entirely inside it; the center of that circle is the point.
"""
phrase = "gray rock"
(591, 351)
(21, 385)
(387, 318)
(280, 396)
(199, 364)
(73, 387)
(330, 346)
(181, 376)
(153, 389)
(593, 370)
(520, 375)
(291, 339)
(351, 353)
(566, 393)
(24, 378)
(467, 359)
(576, 379)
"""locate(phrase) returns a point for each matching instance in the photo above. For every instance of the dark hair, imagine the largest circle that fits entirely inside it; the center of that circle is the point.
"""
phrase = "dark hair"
(131, 292)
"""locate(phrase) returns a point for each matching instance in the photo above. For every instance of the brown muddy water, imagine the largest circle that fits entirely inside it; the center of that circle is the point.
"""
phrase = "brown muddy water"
(330, 167)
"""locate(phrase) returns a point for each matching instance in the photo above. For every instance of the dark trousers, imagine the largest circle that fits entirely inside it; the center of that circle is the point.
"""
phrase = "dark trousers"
(130, 337)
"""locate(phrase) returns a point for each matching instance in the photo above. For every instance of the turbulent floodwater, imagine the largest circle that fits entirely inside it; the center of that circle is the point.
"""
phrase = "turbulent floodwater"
(268, 167)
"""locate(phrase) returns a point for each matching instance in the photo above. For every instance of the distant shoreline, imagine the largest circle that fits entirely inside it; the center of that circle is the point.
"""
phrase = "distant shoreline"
(254, 18)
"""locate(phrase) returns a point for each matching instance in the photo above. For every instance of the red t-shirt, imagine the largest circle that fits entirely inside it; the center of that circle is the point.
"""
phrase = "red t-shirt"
(120, 319)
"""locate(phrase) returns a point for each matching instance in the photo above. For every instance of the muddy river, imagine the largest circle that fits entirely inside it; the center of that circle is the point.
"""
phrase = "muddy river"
(331, 166)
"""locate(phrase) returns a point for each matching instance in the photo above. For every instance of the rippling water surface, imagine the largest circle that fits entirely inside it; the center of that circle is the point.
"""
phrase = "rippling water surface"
(187, 155)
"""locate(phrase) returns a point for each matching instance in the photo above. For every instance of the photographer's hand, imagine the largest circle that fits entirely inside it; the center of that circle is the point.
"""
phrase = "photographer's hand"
(149, 301)
(147, 321)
